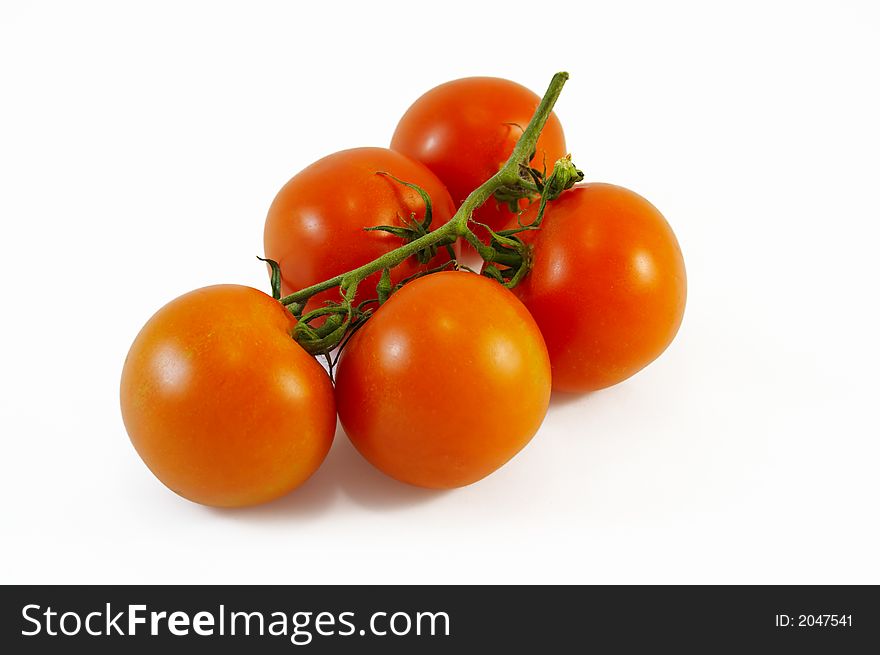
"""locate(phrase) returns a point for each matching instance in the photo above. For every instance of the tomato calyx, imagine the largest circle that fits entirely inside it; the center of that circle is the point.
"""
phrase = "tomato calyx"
(413, 229)
(510, 252)
(320, 340)
(529, 187)
(509, 256)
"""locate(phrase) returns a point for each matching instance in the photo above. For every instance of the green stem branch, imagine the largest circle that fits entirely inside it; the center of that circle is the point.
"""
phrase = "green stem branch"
(509, 175)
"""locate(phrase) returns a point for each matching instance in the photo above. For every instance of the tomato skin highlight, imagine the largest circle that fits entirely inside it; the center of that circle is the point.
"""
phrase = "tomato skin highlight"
(446, 382)
(465, 130)
(314, 228)
(608, 285)
(223, 406)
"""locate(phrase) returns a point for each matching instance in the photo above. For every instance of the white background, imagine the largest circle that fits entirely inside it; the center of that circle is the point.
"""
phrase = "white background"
(141, 145)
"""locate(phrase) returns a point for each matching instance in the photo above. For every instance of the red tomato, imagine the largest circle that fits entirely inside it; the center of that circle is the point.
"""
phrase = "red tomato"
(465, 130)
(224, 407)
(608, 285)
(314, 229)
(446, 382)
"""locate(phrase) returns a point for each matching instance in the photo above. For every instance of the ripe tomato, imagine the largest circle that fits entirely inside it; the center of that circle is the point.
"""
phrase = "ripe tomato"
(224, 407)
(446, 382)
(465, 130)
(314, 229)
(607, 287)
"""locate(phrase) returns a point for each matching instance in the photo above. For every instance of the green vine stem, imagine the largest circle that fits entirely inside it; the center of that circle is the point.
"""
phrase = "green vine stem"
(514, 174)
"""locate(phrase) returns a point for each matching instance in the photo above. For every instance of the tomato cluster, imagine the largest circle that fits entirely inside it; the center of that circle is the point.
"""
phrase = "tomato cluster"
(441, 374)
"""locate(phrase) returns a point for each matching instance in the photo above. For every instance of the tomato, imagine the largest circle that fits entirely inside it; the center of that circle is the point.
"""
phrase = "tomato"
(224, 407)
(314, 229)
(465, 130)
(607, 287)
(446, 382)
